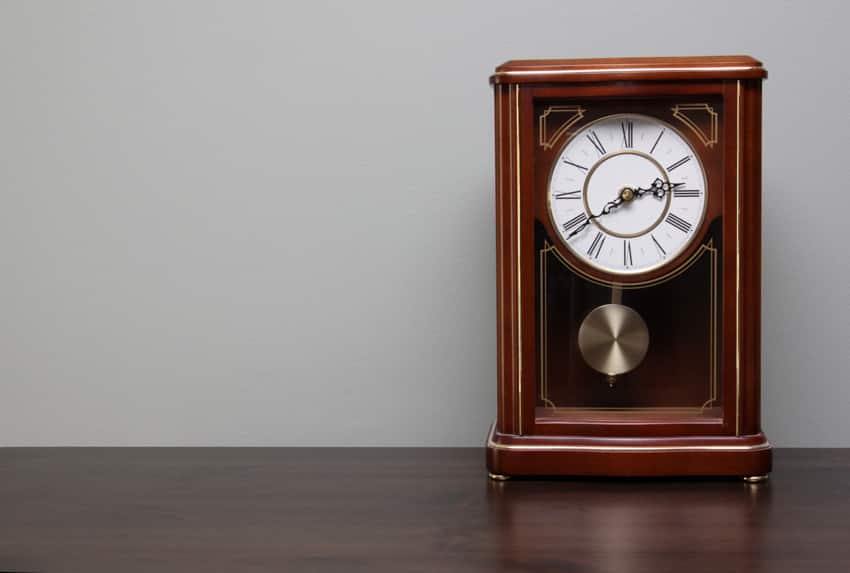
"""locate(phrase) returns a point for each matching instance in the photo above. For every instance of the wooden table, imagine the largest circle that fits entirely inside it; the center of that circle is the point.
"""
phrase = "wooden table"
(366, 510)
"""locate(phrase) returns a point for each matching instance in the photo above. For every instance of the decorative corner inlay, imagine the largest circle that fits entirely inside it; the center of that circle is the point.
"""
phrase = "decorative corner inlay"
(699, 118)
(555, 121)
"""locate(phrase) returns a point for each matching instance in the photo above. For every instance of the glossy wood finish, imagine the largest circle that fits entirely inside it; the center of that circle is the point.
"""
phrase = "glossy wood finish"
(371, 510)
(522, 444)
(623, 69)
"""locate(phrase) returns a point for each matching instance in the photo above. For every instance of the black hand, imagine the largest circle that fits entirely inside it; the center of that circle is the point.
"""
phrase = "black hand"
(659, 188)
(605, 210)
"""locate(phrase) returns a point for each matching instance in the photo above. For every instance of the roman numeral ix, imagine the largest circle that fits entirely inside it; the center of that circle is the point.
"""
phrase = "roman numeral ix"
(574, 222)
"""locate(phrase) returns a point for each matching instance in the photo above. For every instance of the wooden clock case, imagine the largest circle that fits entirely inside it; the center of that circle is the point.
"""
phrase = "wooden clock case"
(523, 440)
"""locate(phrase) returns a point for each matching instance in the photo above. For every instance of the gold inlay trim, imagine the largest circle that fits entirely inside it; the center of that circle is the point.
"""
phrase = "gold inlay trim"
(738, 260)
(550, 247)
(624, 409)
(712, 372)
(500, 290)
(711, 69)
(658, 280)
(549, 141)
(680, 112)
(518, 262)
(491, 443)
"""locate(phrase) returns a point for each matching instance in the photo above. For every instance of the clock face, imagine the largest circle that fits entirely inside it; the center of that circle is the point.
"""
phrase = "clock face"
(627, 194)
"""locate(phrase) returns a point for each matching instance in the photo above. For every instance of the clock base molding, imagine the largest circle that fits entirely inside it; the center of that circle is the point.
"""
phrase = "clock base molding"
(744, 456)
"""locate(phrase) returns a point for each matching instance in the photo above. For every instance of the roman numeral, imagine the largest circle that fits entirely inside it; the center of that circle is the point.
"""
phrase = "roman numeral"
(686, 192)
(596, 245)
(654, 145)
(679, 163)
(627, 254)
(569, 195)
(678, 222)
(574, 222)
(628, 133)
(594, 139)
(657, 244)
(575, 164)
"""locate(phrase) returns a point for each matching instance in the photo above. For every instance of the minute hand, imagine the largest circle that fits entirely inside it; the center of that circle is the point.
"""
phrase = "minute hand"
(609, 206)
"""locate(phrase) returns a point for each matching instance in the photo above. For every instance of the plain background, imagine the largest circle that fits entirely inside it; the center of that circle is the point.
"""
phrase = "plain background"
(271, 223)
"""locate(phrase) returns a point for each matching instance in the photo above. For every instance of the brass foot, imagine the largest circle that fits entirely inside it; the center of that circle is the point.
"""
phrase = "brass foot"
(498, 477)
(756, 479)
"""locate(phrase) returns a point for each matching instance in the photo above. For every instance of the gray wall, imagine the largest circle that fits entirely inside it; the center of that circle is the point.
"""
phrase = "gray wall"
(269, 223)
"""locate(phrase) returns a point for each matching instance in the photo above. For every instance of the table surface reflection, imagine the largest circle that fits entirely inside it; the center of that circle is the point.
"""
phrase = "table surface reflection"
(404, 509)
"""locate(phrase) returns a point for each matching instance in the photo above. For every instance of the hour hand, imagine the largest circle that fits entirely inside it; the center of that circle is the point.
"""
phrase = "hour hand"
(658, 188)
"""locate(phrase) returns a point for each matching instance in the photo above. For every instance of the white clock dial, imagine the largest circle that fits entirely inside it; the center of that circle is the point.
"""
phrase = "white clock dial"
(627, 194)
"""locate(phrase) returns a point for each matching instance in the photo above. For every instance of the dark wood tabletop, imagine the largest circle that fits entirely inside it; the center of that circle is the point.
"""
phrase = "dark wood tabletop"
(156, 510)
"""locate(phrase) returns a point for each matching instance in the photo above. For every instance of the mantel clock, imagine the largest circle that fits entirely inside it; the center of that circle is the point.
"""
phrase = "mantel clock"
(628, 216)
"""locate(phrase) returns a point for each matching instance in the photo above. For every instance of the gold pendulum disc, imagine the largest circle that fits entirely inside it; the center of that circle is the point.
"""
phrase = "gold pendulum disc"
(613, 339)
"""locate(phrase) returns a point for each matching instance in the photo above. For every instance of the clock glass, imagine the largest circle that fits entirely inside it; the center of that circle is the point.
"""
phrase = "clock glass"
(629, 261)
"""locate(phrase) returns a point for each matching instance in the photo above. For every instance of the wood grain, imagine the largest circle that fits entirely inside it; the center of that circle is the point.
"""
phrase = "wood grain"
(398, 510)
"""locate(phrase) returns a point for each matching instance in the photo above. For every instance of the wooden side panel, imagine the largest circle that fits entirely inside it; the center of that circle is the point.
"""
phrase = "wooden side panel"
(506, 271)
(751, 122)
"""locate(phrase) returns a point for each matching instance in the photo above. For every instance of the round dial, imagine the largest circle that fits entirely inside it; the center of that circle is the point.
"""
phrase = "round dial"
(627, 193)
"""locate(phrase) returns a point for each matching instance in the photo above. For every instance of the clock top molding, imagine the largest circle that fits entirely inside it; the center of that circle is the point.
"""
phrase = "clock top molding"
(628, 69)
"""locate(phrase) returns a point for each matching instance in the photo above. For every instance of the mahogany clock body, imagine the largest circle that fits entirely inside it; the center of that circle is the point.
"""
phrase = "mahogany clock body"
(638, 426)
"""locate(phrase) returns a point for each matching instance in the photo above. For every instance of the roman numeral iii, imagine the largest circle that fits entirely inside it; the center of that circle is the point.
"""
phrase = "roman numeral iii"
(686, 193)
